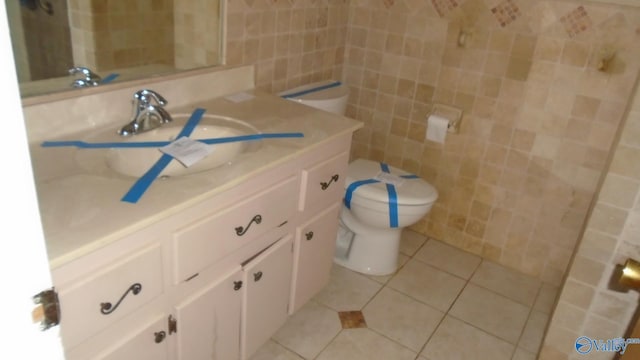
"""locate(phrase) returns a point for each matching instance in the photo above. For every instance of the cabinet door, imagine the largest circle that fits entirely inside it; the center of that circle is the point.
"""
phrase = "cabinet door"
(268, 284)
(209, 321)
(313, 256)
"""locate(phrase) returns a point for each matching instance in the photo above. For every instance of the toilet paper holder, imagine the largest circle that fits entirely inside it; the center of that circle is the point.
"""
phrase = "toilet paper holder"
(451, 113)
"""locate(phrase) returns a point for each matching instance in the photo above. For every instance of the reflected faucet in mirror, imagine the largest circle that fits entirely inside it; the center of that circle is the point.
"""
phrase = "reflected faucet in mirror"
(148, 113)
(90, 78)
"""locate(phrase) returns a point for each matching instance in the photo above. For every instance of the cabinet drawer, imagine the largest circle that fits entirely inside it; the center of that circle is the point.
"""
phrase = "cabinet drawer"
(323, 183)
(97, 301)
(204, 242)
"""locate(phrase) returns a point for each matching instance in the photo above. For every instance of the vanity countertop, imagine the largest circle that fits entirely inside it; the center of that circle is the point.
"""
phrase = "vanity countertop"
(80, 203)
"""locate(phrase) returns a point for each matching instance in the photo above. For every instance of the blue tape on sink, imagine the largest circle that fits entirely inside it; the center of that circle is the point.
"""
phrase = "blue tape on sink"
(149, 144)
(140, 187)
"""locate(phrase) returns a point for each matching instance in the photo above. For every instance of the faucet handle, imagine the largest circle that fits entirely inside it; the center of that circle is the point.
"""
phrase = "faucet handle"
(144, 97)
(90, 78)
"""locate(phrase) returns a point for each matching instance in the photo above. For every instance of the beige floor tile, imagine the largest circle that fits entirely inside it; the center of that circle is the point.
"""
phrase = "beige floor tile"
(455, 339)
(534, 331)
(274, 351)
(347, 290)
(448, 258)
(402, 259)
(491, 312)
(309, 330)
(427, 284)
(522, 354)
(510, 283)
(411, 241)
(364, 344)
(401, 318)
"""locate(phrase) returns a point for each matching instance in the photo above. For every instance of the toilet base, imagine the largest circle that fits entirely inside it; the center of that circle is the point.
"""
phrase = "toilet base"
(373, 251)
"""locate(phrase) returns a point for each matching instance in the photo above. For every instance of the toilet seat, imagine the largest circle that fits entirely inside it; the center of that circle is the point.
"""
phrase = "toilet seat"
(413, 191)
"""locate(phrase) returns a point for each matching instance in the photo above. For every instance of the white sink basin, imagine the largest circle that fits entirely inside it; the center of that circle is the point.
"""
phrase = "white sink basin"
(137, 161)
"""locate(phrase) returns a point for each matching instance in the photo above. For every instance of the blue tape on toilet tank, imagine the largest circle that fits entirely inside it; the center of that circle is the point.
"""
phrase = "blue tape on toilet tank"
(140, 187)
(312, 90)
(391, 189)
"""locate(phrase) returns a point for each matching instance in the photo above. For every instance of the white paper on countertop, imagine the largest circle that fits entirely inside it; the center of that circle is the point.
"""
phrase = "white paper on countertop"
(187, 151)
(239, 97)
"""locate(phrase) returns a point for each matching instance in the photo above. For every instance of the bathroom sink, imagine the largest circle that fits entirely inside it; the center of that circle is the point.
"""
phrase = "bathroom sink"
(137, 161)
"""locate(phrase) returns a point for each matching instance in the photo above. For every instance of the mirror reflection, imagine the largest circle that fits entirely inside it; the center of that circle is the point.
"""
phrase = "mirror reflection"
(60, 45)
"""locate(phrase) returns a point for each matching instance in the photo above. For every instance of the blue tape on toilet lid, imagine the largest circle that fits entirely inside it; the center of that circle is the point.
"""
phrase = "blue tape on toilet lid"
(411, 192)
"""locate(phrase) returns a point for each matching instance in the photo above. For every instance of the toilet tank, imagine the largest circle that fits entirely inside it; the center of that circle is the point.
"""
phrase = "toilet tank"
(329, 95)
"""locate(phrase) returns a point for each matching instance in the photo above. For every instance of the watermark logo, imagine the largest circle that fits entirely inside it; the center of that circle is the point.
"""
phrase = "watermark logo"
(585, 345)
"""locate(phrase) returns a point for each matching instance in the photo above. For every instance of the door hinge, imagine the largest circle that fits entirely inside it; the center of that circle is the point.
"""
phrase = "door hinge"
(172, 324)
(47, 311)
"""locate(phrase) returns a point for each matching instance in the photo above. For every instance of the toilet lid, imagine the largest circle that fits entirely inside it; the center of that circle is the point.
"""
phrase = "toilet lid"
(410, 191)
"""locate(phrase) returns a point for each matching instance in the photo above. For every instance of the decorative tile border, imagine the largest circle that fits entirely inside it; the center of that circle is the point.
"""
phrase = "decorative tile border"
(576, 21)
(352, 319)
(443, 7)
(506, 12)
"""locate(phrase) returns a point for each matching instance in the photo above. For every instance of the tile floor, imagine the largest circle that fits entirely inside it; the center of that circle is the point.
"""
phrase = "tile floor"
(442, 303)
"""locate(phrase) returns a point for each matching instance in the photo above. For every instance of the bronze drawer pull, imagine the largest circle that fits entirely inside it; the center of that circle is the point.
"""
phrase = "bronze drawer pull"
(159, 336)
(309, 235)
(240, 230)
(325, 185)
(106, 308)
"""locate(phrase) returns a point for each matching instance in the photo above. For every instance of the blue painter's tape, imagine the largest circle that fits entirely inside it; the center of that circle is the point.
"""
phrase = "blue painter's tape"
(352, 187)
(315, 89)
(140, 187)
(109, 78)
(391, 189)
(393, 199)
(151, 144)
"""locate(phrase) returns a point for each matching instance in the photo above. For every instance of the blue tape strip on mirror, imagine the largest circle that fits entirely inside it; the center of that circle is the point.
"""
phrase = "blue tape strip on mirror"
(140, 187)
(109, 78)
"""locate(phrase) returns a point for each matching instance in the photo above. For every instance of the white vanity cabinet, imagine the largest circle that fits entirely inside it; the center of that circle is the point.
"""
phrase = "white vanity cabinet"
(217, 279)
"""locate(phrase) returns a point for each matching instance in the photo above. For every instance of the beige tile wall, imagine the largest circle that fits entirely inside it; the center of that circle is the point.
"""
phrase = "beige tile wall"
(586, 306)
(197, 25)
(109, 35)
(539, 115)
(291, 42)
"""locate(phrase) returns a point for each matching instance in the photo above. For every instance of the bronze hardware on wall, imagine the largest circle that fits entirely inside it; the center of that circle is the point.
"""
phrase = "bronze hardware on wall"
(241, 230)
(48, 311)
(325, 185)
(257, 276)
(106, 308)
(630, 274)
(309, 235)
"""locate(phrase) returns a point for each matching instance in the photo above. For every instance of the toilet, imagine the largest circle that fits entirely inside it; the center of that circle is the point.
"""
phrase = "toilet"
(379, 202)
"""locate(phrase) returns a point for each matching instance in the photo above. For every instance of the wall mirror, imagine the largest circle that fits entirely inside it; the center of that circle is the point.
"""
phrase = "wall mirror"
(118, 40)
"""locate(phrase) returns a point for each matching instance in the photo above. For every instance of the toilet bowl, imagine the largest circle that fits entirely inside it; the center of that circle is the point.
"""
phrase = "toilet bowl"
(375, 212)
(373, 215)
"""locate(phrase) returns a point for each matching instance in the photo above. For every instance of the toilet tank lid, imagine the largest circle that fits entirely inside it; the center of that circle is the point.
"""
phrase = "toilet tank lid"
(411, 192)
(323, 90)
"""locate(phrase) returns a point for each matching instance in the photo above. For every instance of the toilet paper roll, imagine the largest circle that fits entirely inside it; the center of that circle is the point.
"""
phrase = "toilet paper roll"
(437, 128)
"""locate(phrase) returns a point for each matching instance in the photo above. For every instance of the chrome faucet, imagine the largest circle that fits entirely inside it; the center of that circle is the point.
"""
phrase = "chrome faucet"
(90, 78)
(146, 116)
